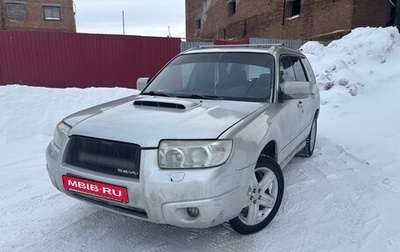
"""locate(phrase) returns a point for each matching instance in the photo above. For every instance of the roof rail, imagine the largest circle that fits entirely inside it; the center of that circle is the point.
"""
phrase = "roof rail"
(241, 45)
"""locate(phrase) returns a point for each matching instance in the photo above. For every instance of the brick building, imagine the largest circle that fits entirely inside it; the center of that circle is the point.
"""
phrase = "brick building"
(40, 15)
(285, 19)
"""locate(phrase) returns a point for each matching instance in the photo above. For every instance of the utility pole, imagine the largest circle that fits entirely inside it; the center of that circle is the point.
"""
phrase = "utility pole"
(123, 22)
(2, 16)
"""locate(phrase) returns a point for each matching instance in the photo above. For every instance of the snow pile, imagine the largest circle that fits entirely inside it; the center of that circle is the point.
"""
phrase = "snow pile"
(39, 109)
(354, 59)
(344, 198)
(365, 63)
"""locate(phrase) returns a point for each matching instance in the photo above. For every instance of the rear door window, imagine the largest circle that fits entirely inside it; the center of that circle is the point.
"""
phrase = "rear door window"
(298, 69)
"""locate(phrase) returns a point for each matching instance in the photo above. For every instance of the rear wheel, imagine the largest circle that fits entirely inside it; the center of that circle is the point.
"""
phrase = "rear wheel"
(308, 150)
(264, 198)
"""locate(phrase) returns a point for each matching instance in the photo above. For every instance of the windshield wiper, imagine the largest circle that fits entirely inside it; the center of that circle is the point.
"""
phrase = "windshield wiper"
(156, 93)
(197, 96)
(192, 96)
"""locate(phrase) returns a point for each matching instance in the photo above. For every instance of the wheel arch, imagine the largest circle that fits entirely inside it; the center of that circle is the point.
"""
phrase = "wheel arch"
(270, 150)
(316, 114)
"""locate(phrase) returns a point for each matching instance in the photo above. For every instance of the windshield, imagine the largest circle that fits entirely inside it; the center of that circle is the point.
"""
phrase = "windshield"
(222, 75)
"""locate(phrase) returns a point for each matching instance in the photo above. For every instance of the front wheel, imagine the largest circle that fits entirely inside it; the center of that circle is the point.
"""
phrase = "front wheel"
(264, 198)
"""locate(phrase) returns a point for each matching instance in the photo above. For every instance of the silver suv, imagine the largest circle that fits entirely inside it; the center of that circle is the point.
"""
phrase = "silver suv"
(202, 144)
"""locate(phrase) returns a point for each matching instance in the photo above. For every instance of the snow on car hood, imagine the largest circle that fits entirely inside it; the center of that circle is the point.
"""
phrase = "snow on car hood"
(145, 120)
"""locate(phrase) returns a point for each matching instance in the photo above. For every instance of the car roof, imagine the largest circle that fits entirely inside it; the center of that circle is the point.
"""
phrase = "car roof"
(275, 49)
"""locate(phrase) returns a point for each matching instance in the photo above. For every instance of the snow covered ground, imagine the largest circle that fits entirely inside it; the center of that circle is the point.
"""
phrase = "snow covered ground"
(344, 198)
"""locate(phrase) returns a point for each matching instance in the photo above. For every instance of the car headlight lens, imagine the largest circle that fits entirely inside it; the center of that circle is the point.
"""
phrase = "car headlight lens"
(193, 154)
(60, 133)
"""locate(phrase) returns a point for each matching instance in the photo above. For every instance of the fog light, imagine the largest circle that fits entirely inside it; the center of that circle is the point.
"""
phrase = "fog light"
(193, 211)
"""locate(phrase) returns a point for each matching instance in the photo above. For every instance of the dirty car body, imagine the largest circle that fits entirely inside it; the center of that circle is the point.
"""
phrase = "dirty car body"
(202, 144)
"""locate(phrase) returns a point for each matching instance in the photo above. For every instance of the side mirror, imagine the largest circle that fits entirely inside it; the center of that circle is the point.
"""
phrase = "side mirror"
(141, 83)
(297, 89)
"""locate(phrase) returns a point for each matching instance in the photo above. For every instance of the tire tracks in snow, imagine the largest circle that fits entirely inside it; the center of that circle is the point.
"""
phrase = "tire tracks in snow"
(331, 182)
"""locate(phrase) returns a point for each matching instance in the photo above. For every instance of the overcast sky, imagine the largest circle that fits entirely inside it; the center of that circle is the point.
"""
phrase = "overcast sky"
(142, 17)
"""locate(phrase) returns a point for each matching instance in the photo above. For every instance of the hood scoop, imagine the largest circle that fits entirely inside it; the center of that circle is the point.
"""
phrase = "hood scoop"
(165, 103)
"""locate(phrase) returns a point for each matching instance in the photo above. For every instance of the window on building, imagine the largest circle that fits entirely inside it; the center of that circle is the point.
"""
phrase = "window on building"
(198, 24)
(52, 12)
(15, 11)
(292, 8)
(231, 7)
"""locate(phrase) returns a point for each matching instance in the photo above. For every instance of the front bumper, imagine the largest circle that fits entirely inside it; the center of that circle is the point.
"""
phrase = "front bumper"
(164, 195)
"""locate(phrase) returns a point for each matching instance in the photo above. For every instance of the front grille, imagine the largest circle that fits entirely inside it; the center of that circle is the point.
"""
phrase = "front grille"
(105, 156)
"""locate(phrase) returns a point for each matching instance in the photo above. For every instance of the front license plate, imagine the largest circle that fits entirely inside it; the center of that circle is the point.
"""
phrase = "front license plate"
(95, 188)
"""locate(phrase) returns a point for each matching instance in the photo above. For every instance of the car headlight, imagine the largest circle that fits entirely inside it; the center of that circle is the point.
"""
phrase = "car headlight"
(193, 153)
(60, 133)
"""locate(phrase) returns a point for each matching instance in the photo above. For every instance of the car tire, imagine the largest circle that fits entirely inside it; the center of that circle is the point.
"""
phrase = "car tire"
(308, 150)
(264, 197)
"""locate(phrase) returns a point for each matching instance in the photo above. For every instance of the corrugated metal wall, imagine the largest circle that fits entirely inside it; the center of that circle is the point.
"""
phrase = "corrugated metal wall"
(81, 60)
(191, 44)
(291, 43)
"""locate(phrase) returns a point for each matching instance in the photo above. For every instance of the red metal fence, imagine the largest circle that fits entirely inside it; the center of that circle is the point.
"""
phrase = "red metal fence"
(81, 60)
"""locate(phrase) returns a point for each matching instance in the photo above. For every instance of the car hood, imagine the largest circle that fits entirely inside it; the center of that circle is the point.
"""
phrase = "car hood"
(145, 120)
